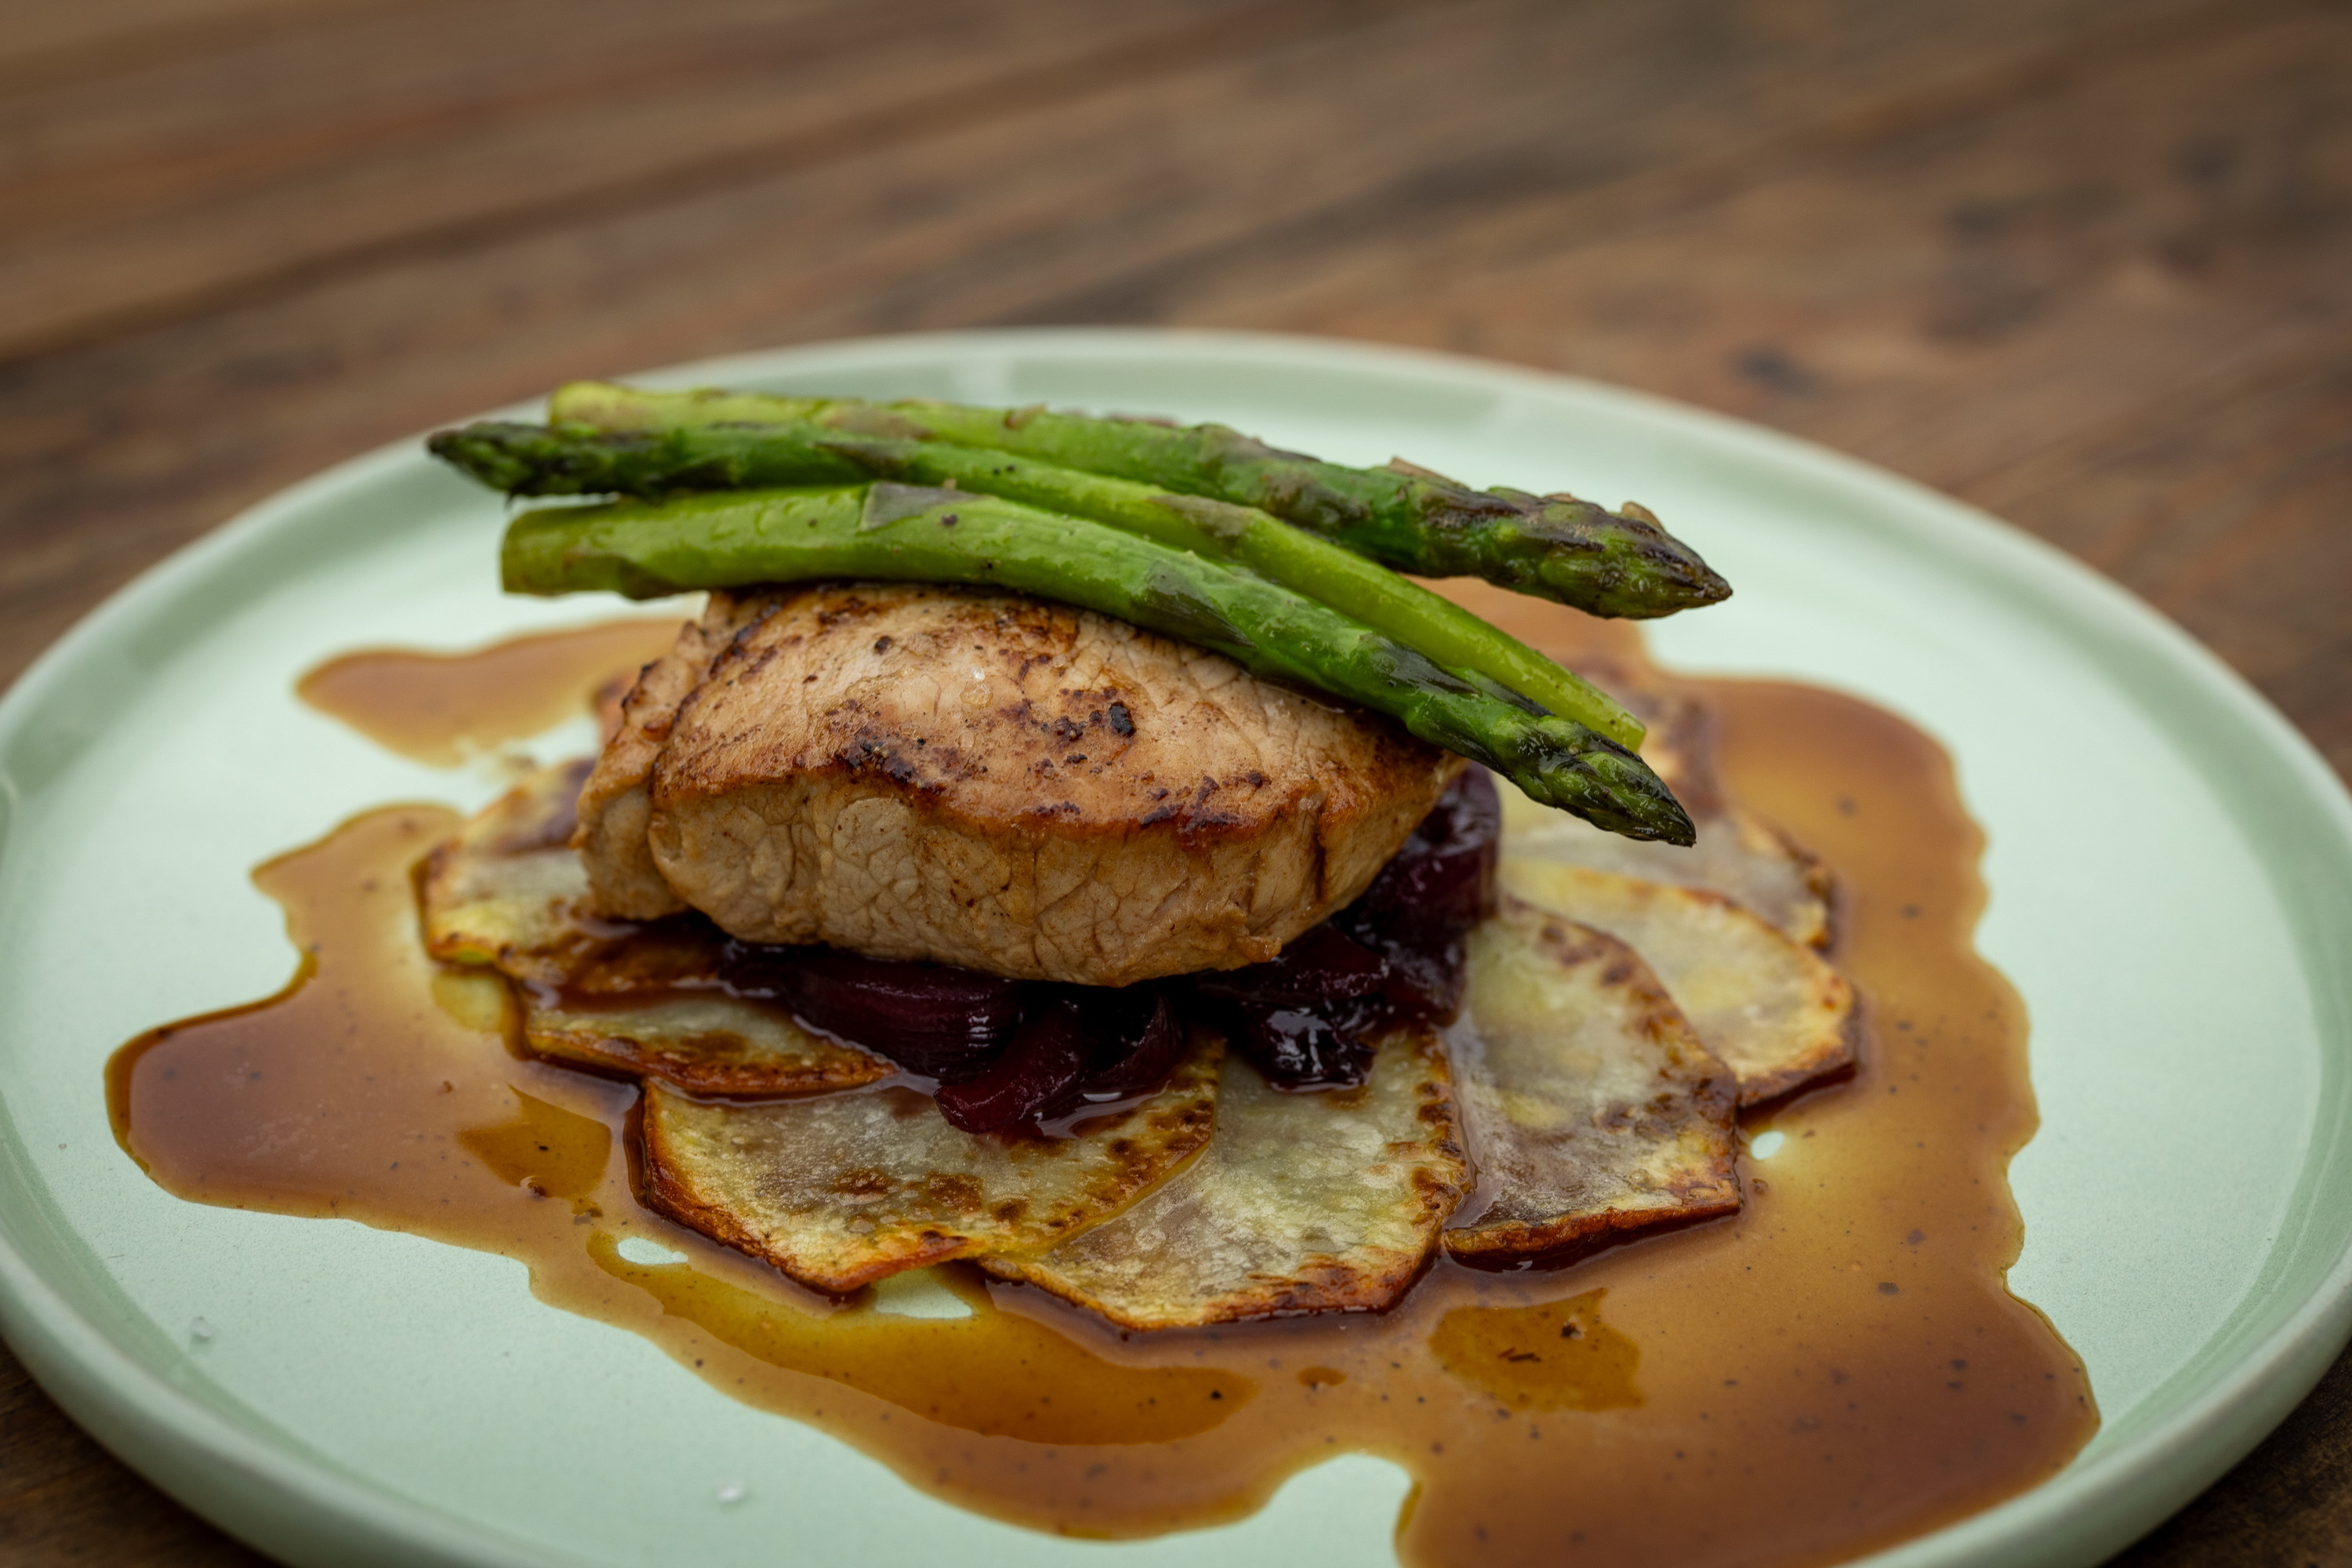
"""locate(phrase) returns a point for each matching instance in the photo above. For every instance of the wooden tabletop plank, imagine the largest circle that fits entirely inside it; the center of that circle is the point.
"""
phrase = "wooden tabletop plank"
(161, 432)
(212, 173)
(2225, 506)
(66, 1501)
(2139, 283)
(2289, 1505)
(42, 42)
(2175, 210)
(188, 179)
(2085, 262)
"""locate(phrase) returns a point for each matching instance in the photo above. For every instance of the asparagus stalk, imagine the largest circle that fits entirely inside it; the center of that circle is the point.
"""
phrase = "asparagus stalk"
(727, 539)
(582, 460)
(1556, 547)
(577, 460)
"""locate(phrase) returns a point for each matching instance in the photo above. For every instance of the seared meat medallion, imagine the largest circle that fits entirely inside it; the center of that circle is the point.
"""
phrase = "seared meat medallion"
(990, 781)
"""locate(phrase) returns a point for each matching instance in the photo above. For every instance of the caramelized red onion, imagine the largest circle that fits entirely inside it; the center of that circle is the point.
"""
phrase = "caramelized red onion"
(1009, 1054)
(1442, 882)
(941, 1022)
(1077, 1048)
(1136, 1039)
(1005, 1053)
(1301, 1016)
(1308, 1017)
(1029, 1078)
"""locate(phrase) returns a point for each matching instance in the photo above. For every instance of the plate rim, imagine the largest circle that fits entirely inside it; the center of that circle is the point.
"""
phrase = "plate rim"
(305, 1508)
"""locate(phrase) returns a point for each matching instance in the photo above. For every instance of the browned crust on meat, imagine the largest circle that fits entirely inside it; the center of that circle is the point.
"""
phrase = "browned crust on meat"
(933, 773)
(614, 810)
(999, 766)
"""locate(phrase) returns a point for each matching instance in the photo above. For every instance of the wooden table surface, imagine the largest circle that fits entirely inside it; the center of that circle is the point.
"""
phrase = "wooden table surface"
(2085, 263)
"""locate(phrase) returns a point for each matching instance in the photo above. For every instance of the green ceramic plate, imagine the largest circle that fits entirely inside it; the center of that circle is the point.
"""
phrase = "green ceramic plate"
(2171, 875)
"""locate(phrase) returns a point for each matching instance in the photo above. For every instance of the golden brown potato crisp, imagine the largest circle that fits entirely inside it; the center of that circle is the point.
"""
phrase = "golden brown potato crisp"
(710, 1044)
(840, 1190)
(1590, 1105)
(1579, 1080)
(1301, 1202)
(1770, 1007)
(505, 891)
(1738, 855)
(606, 995)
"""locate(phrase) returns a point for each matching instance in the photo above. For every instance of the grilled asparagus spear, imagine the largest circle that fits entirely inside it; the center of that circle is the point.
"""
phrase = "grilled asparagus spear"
(582, 460)
(1556, 547)
(891, 531)
(577, 460)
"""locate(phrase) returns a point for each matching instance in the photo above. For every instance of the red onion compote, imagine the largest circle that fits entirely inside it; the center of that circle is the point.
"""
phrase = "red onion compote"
(1009, 1054)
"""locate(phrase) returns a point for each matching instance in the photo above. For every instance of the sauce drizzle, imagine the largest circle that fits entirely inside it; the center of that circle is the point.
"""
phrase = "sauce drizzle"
(443, 708)
(1834, 1369)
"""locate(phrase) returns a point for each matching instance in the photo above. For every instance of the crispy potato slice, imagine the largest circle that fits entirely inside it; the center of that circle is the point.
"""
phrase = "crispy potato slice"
(841, 1190)
(1738, 855)
(505, 892)
(1590, 1107)
(708, 1044)
(1301, 1202)
(1770, 1007)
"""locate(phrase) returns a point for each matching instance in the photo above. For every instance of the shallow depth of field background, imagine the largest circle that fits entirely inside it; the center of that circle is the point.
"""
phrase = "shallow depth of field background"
(2085, 263)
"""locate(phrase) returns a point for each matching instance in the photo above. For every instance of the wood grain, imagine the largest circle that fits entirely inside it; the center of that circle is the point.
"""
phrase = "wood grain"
(64, 1499)
(2087, 263)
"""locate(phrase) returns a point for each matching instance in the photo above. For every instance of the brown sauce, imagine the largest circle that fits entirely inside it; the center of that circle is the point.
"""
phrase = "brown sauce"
(1834, 1369)
(443, 708)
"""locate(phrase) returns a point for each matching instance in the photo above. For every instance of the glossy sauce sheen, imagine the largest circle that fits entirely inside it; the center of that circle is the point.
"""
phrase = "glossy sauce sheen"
(1834, 1369)
(442, 708)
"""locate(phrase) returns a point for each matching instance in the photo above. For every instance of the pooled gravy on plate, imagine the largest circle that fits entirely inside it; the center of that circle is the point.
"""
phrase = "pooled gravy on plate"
(442, 708)
(1836, 1368)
